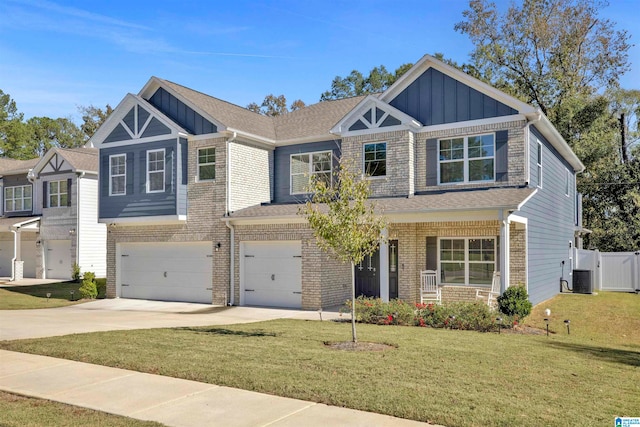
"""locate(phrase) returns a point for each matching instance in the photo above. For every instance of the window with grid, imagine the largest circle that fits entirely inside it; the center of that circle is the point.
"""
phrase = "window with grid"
(206, 164)
(155, 171)
(467, 261)
(18, 198)
(375, 159)
(58, 194)
(468, 159)
(310, 166)
(117, 175)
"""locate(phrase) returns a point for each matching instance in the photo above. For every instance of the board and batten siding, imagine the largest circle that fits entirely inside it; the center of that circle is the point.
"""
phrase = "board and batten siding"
(180, 113)
(551, 222)
(249, 166)
(282, 167)
(92, 236)
(137, 202)
(435, 98)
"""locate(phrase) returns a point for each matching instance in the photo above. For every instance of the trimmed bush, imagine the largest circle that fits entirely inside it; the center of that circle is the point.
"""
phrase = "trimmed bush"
(515, 302)
(101, 285)
(75, 272)
(88, 288)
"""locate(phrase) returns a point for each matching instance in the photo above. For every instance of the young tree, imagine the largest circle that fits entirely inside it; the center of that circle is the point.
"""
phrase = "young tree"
(343, 222)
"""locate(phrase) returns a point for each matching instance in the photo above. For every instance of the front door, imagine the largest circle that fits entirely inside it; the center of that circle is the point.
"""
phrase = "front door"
(368, 276)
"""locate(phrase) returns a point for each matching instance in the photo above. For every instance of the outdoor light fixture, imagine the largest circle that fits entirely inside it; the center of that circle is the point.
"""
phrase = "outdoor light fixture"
(546, 320)
(218, 246)
(72, 231)
(499, 320)
(48, 296)
(320, 313)
(451, 319)
(566, 322)
(38, 243)
(72, 292)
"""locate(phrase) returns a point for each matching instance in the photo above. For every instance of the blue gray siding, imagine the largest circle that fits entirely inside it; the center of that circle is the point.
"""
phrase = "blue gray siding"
(137, 202)
(182, 177)
(282, 182)
(16, 181)
(119, 133)
(435, 98)
(551, 217)
(181, 113)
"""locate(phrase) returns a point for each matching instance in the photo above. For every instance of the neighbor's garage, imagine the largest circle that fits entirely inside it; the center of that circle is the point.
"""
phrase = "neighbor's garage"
(166, 271)
(271, 273)
(28, 255)
(58, 259)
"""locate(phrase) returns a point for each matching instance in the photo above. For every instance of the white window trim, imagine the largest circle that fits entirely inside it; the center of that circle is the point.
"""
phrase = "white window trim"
(466, 160)
(111, 176)
(164, 159)
(466, 258)
(310, 172)
(58, 194)
(198, 164)
(14, 199)
(364, 164)
(539, 164)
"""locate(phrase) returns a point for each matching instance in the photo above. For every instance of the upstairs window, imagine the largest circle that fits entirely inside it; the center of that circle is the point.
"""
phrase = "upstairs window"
(468, 159)
(58, 194)
(375, 159)
(310, 166)
(206, 164)
(117, 175)
(17, 199)
(155, 171)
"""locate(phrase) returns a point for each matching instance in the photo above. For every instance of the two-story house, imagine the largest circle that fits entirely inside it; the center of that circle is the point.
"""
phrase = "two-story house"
(50, 218)
(201, 196)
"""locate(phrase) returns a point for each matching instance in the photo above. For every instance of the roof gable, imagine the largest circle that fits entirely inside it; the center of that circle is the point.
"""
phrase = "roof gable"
(372, 114)
(63, 160)
(181, 113)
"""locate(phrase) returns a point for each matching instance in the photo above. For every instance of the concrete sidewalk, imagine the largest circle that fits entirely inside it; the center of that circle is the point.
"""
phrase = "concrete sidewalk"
(171, 401)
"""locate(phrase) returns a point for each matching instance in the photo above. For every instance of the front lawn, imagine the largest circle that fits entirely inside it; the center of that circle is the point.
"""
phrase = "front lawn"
(454, 378)
(19, 411)
(35, 296)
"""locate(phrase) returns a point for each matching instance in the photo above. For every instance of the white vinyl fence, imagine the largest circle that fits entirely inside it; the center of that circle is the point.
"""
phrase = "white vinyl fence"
(611, 271)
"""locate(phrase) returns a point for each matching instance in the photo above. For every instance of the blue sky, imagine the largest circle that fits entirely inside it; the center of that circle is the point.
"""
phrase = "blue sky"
(57, 55)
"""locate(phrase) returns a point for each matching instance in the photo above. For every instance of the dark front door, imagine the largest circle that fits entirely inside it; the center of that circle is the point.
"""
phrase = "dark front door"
(393, 269)
(368, 276)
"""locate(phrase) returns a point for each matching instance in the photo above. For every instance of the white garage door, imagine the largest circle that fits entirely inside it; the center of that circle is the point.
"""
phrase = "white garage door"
(272, 274)
(58, 259)
(167, 271)
(28, 255)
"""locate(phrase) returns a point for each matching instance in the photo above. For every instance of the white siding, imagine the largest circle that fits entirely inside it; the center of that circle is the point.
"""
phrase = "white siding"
(92, 236)
(248, 176)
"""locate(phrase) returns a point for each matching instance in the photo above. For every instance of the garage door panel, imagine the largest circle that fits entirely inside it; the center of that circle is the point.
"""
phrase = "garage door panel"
(58, 259)
(167, 271)
(272, 274)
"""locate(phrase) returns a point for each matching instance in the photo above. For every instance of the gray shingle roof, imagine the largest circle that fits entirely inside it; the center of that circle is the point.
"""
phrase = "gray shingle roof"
(495, 198)
(82, 159)
(13, 166)
(313, 120)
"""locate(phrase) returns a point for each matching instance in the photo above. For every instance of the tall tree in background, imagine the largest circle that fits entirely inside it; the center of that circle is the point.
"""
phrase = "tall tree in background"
(13, 131)
(356, 84)
(275, 106)
(92, 118)
(562, 57)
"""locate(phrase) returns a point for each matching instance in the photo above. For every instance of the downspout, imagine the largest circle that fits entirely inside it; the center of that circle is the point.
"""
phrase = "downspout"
(227, 209)
(527, 140)
(77, 235)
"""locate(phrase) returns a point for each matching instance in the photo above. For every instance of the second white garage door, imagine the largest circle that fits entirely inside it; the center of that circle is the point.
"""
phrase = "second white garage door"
(58, 259)
(167, 271)
(272, 274)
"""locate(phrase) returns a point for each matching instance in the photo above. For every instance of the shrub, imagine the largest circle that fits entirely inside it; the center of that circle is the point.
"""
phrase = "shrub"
(515, 302)
(88, 288)
(101, 285)
(75, 272)
(374, 310)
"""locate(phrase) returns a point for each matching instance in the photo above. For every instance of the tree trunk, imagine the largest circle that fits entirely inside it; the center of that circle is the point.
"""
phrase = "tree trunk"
(353, 303)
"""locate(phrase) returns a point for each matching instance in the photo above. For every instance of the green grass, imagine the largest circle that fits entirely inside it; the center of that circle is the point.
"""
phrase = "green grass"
(454, 378)
(19, 411)
(35, 296)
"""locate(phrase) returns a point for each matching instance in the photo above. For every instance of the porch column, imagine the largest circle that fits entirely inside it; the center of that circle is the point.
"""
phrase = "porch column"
(384, 267)
(504, 250)
(18, 264)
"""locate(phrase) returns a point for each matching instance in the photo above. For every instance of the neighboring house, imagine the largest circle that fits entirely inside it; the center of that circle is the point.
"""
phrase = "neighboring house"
(50, 218)
(201, 196)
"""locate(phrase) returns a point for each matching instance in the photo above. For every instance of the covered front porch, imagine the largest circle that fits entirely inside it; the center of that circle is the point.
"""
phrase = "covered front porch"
(19, 247)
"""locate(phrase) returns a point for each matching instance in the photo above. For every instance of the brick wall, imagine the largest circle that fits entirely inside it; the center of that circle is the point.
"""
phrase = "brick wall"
(518, 255)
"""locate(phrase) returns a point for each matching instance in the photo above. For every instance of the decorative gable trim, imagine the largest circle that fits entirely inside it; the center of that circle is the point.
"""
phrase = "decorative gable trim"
(133, 120)
(373, 115)
(428, 61)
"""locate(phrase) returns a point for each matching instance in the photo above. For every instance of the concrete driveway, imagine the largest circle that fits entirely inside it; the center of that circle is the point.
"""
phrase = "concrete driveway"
(123, 314)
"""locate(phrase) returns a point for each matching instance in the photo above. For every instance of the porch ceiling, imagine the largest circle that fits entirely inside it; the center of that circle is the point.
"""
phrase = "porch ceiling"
(7, 223)
(451, 201)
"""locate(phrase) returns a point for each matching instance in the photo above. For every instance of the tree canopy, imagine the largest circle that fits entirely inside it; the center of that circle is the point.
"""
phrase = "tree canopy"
(275, 106)
(356, 84)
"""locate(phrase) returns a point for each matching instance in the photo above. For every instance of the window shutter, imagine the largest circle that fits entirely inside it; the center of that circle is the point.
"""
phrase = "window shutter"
(432, 253)
(45, 187)
(143, 172)
(104, 176)
(502, 156)
(168, 169)
(432, 162)
(498, 253)
(69, 192)
(129, 176)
